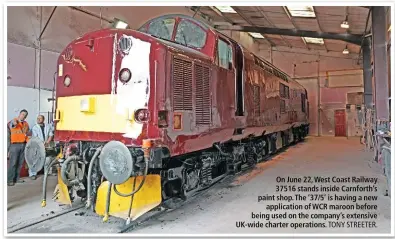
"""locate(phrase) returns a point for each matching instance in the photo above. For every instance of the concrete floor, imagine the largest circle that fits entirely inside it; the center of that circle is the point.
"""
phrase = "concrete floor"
(24, 201)
(218, 210)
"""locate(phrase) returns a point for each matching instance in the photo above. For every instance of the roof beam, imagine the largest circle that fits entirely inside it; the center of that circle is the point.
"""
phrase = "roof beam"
(271, 23)
(351, 38)
(80, 9)
(46, 24)
(252, 27)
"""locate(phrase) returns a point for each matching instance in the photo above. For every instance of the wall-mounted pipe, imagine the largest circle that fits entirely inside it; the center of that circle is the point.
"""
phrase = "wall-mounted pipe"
(319, 96)
(38, 57)
(38, 61)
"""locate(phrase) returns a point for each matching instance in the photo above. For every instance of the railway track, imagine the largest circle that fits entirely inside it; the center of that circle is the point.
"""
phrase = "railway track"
(172, 205)
(41, 220)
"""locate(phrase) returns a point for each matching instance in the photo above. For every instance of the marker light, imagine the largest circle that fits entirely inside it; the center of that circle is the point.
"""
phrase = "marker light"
(67, 81)
(125, 43)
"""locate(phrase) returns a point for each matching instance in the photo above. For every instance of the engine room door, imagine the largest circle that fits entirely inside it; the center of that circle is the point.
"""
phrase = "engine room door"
(239, 79)
(340, 123)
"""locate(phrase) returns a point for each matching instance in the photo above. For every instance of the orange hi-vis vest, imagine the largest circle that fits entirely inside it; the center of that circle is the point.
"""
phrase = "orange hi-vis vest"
(19, 132)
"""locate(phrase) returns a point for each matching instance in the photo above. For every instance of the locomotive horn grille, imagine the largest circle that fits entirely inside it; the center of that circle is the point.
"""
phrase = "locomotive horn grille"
(125, 43)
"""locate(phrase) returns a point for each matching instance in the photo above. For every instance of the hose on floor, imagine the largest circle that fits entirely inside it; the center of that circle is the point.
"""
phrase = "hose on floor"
(46, 170)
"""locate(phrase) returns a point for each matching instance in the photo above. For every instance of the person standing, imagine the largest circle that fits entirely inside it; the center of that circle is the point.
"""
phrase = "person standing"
(18, 130)
(45, 133)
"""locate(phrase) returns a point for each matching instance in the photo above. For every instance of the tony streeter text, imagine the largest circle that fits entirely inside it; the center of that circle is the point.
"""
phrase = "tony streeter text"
(320, 179)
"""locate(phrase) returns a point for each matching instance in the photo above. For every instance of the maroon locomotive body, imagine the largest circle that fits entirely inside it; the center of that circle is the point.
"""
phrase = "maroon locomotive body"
(206, 105)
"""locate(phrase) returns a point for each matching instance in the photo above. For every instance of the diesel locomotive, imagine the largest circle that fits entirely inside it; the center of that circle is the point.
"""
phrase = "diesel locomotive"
(145, 116)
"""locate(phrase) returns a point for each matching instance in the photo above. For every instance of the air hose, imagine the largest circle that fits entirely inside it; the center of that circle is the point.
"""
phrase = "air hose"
(139, 187)
(46, 170)
(146, 147)
(95, 156)
(64, 170)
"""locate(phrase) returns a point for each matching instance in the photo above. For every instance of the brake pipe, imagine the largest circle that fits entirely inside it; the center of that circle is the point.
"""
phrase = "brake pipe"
(106, 213)
(131, 202)
(95, 156)
(146, 148)
(64, 169)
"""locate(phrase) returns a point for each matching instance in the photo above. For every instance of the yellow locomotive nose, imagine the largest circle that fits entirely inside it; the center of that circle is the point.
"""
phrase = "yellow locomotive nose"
(126, 197)
(147, 198)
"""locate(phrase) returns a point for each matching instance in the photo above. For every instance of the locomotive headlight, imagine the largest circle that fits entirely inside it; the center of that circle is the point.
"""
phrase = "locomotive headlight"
(67, 81)
(125, 75)
(141, 115)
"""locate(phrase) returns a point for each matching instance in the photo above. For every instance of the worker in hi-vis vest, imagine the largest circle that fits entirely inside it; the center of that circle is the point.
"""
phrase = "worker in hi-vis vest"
(18, 130)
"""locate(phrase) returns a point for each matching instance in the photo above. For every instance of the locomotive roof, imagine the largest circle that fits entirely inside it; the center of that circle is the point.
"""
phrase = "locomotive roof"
(206, 26)
(199, 22)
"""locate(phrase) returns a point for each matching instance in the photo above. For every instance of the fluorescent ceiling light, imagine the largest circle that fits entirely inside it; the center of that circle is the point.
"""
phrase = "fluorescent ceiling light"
(303, 11)
(256, 35)
(120, 24)
(314, 40)
(344, 25)
(226, 9)
(345, 51)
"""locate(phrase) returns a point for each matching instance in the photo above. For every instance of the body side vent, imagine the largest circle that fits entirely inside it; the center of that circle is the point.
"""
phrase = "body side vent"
(203, 97)
(182, 84)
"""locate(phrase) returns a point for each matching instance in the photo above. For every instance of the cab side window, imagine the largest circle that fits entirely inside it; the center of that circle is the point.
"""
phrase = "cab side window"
(190, 34)
(224, 54)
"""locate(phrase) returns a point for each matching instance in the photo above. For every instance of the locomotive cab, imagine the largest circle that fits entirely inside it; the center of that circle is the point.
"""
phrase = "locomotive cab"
(183, 30)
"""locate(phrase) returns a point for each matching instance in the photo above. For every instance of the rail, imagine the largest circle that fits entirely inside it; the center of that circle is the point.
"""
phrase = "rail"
(170, 204)
(61, 213)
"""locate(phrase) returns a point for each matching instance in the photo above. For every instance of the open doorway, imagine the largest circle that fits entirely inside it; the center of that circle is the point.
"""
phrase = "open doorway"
(239, 77)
